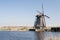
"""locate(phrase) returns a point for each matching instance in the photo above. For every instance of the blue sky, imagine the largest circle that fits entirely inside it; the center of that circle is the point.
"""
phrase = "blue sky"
(22, 12)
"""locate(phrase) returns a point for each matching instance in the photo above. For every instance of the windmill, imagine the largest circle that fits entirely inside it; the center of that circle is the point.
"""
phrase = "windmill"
(40, 19)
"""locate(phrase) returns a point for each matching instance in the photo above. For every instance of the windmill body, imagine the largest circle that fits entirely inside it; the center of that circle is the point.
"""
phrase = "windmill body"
(40, 19)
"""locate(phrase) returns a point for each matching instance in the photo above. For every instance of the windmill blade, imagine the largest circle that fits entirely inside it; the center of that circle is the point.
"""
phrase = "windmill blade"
(39, 12)
(46, 16)
(42, 9)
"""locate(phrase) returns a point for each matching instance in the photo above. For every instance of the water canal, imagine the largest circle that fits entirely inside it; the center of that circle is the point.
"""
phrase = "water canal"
(28, 35)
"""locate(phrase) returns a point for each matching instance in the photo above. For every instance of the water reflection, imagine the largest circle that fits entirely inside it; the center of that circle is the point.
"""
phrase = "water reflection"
(52, 35)
(40, 35)
(29, 35)
(48, 35)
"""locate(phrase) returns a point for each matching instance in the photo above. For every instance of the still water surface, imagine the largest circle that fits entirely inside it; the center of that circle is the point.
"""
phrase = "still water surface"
(16, 35)
(28, 35)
